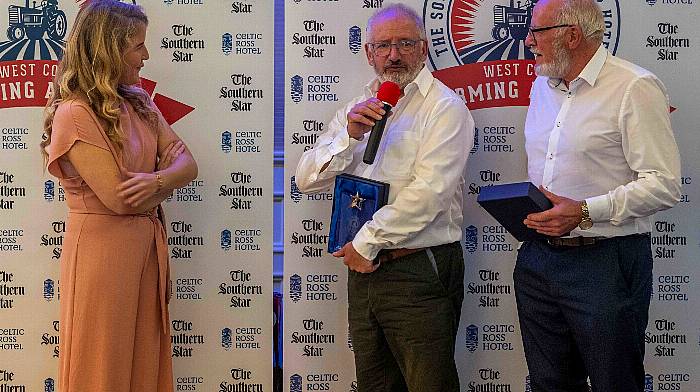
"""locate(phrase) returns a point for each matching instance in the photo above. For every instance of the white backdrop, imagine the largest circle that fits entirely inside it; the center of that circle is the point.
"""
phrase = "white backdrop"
(217, 91)
(494, 77)
(211, 73)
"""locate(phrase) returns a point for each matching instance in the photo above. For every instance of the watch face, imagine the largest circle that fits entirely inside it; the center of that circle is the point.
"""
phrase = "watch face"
(585, 225)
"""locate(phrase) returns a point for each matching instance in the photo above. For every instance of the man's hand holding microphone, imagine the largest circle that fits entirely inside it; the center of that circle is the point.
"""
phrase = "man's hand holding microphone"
(363, 117)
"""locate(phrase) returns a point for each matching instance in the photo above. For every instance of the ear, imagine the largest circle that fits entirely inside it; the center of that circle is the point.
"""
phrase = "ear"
(424, 49)
(574, 37)
(370, 56)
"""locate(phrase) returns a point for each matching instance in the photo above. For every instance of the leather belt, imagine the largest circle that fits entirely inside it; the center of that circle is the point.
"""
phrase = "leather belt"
(387, 255)
(574, 241)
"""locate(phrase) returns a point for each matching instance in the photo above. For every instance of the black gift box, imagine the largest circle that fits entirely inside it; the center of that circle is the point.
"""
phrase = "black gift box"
(511, 203)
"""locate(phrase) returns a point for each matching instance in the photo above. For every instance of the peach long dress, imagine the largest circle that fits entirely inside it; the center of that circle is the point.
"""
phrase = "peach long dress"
(114, 327)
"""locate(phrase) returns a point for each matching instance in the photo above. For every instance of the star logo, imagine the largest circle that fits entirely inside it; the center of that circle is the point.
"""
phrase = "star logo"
(356, 201)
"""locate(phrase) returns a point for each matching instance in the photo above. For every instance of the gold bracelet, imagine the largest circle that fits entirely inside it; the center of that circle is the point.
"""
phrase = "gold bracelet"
(159, 178)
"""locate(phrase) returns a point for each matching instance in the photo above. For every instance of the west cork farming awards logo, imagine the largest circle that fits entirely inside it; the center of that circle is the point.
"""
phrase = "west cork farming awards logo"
(477, 47)
(36, 33)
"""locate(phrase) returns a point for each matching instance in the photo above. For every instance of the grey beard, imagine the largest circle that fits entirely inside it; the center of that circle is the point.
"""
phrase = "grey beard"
(559, 66)
(400, 78)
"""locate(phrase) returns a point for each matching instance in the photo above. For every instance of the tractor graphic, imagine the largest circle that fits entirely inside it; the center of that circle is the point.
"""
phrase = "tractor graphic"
(512, 22)
(32, 22)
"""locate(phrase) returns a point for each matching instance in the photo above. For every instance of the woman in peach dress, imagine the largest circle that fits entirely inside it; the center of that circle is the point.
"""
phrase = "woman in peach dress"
(117, 160)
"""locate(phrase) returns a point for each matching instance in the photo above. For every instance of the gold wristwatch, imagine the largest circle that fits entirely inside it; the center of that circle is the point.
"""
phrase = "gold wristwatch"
(586, 222)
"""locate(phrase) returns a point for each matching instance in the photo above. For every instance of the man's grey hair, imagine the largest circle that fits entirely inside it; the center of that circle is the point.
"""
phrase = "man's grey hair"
(587, 15)
(396, 9)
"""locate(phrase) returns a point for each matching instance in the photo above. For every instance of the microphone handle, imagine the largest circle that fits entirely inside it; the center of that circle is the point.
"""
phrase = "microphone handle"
(375, 137)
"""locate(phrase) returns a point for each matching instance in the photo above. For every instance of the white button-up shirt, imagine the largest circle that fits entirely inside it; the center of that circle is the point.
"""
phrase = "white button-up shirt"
(607, 138)
(422, 155)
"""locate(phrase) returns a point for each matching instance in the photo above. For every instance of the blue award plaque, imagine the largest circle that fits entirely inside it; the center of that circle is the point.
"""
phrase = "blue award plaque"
(355, 200)
(511, 203)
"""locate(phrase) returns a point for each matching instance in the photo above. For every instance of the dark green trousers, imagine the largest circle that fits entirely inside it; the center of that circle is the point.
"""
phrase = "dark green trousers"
(403, 322)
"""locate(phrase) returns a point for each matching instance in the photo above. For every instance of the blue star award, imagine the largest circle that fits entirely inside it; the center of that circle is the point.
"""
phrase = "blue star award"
(511, 203)
(355, 200)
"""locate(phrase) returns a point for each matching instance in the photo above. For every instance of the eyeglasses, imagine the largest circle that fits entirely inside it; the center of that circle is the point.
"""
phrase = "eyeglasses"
(531, 32)
(404, 46)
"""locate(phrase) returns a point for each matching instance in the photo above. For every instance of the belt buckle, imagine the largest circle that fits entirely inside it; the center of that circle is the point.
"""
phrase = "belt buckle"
(393, 254)
(572, 241)
(554, 242)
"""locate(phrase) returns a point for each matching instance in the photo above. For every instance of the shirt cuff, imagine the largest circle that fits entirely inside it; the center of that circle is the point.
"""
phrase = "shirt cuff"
(599, 208)
(341, 148)
(363, 247)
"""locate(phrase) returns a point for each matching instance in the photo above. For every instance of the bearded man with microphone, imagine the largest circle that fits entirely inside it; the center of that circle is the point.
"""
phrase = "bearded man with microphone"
(406, 265)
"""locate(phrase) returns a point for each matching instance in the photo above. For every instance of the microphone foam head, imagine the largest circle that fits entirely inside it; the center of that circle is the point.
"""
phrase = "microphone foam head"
(389, 92)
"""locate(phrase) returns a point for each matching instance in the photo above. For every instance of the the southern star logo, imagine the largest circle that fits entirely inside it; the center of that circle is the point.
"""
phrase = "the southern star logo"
(477, 47)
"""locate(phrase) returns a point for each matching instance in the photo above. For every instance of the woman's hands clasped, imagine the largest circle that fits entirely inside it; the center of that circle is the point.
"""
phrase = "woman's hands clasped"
(170, 153)
(139, 187)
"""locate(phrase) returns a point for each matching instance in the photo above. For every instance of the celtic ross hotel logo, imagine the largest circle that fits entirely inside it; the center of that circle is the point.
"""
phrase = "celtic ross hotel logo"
(227, 43)
(295, 287)
(295, 383)
(475, 147)
(49, 385)
(226, 142)
(355, 39)
(471, 238)
(297, 88)
(49, 190)
(226, 338)
(226, 239)
(48, 289)
(472, 338)
(648, 383)
(294, 191)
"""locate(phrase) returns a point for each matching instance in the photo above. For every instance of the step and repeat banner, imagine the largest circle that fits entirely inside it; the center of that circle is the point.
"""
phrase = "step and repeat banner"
(211, 74)
(474, 50)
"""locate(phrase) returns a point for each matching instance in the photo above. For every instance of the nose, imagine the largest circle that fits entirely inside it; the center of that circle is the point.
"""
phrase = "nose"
(529, 40)
(394, 52)
(146, 55)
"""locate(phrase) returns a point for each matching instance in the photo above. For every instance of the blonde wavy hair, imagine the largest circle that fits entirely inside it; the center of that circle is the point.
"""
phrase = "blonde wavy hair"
(92, 66)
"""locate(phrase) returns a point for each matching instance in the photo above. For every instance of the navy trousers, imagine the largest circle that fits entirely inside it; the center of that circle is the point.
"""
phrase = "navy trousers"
(583, 312)
(403, 322)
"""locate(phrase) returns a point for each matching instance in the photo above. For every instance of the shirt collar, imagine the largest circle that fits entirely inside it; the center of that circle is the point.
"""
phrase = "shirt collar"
(423, 81)
(590, 72)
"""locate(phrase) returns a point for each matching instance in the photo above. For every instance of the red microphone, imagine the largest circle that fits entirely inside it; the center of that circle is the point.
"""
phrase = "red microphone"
(389, 93)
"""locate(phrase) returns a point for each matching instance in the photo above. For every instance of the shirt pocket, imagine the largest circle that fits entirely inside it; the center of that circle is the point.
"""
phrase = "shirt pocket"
(399, 155)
